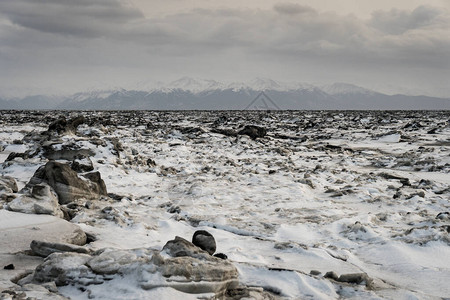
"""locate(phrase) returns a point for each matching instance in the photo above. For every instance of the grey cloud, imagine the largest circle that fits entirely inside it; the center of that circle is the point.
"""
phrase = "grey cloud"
(293, 9)
(293, 38)
(398, 22)
(77, 17)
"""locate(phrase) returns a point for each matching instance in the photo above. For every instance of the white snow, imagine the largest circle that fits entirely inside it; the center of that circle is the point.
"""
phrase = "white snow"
(322, 209)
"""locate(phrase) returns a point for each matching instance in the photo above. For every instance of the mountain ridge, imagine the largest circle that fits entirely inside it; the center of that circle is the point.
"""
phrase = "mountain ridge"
(205, 94)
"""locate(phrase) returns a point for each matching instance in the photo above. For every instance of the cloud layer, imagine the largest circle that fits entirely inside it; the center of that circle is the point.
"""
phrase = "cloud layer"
(84, 43)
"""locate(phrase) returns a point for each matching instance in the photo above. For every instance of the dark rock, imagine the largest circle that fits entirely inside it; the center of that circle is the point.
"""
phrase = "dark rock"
(90, 238)
(151, 163)
(26, 155)
(58, 125)
(433, 130)
(227, 132)
(82, 163)
(96, 178)
(77, 121)
(443, 215)
(168, 171)
(253, 131)
(356, 278)
(66, 214)
(205, 241)
(220, 121)
(190, 130)
(9, 267)
(403, 180)
(69, 213)
(221, 255)
(397, 194)
(315, 272)
(246, 292)
(332, 275)
(174, 210)
(115, 196)
(283, 245)
(62, 126)
(67, 184)
(13, 155)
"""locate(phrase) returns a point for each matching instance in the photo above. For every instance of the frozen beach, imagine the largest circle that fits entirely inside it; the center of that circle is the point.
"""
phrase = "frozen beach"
(305, 205)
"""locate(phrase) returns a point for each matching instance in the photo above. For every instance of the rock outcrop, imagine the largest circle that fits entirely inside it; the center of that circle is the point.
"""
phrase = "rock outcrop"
(42, 199)
(67, 183)
(180, 265)
(64, 126)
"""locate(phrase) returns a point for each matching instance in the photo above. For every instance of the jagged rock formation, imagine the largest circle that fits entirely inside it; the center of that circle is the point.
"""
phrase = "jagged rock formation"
(67, 184)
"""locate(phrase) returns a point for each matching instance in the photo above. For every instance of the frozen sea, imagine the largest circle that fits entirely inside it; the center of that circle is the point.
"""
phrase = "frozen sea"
(348, 192)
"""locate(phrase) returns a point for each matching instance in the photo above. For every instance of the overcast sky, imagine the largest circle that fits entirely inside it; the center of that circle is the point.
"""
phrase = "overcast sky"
(65, 46)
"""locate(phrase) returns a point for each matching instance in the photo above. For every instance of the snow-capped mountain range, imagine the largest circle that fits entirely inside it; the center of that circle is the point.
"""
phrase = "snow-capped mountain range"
(206, 94)
(258, 84)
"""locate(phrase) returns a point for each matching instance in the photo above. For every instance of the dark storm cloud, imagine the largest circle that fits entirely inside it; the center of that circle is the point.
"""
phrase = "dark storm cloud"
(82, 18)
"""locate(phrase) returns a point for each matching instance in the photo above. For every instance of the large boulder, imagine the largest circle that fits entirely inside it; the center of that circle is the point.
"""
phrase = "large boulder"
(180, 265)
(192, 275)
(192, 270)
(180, 247)
(253, 131)
(205, 241)
(67, 184)
(63, 268)
(64, 126)
(111, 261)
(41, 200)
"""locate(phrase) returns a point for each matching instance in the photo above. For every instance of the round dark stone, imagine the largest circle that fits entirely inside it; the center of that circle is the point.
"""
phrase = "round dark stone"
(221, 255)
(205, 241)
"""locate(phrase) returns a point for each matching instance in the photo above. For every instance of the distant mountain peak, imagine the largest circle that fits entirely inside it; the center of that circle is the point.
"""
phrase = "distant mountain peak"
(193, 85)
(262, 84)
(340, 88)
(197, 85)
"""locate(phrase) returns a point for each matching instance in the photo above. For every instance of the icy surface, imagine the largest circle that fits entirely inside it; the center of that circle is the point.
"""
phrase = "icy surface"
(349, 192)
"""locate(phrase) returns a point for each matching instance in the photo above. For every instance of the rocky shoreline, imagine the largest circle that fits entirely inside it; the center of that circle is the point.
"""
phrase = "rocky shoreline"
(71, 197)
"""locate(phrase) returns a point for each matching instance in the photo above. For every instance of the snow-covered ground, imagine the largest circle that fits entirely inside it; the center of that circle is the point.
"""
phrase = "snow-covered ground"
(349, 192)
